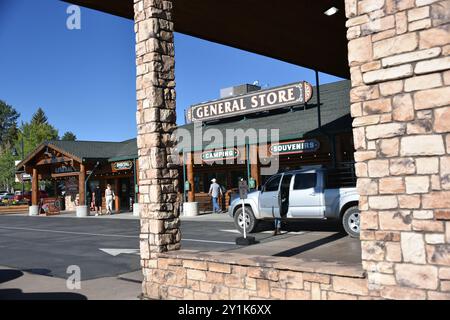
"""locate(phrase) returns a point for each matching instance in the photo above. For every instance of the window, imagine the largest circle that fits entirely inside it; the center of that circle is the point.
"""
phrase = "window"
(305, 181)
(273, 184)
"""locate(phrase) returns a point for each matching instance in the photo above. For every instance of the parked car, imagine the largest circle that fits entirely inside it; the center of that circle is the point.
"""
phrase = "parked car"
(299, 194)
(6, 196)
(27, 196)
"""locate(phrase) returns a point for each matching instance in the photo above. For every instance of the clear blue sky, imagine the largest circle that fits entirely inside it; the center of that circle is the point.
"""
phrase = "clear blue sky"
(85, 79)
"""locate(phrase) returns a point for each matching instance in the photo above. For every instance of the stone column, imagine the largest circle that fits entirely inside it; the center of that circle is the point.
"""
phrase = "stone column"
(156, 122)
(399, 63)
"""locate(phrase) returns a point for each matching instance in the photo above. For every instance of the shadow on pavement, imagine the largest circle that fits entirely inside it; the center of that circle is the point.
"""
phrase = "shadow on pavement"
(305, 225)
(311, 245)
(17, 294)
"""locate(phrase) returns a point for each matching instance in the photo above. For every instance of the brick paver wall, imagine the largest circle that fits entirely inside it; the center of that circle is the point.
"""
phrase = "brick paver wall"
(399, 62)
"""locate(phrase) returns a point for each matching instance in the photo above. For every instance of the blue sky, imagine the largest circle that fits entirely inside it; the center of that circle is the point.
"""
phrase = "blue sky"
(85, 79)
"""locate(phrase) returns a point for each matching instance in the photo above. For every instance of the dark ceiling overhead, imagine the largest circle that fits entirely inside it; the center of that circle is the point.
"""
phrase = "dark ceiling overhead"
(294, 31)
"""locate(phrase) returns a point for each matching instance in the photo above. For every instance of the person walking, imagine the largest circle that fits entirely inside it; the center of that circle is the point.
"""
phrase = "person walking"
(110, 197)
(98, 200)
(214, 191)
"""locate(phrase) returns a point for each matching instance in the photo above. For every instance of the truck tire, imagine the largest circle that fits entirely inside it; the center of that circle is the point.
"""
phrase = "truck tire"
(239, 219)
(350, 221)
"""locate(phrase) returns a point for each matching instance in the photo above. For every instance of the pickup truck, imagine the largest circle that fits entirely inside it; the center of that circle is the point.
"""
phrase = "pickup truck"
(299, 194)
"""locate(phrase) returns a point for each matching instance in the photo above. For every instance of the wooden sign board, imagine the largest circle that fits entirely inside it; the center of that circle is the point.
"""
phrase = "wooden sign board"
(51, 206)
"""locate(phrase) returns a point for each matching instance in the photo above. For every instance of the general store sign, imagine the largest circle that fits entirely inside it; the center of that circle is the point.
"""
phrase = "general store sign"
(293, 147)
(216, 155)
(263, 100)
(122, 166)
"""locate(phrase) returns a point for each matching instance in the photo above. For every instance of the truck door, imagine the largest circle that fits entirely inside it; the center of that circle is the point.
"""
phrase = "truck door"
(268, 199)
(306, 197)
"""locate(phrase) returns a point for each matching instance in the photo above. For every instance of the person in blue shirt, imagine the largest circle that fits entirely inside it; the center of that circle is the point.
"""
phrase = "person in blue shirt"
(214, 191)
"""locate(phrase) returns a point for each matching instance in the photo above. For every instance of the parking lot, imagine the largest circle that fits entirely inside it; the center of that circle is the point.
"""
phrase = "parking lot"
(105, 247)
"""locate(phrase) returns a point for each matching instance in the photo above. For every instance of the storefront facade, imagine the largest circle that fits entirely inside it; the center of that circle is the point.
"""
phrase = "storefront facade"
(305, 136)
(76, 168)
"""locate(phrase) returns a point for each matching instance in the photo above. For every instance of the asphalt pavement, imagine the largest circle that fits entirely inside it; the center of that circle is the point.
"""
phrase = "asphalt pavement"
(108, 247)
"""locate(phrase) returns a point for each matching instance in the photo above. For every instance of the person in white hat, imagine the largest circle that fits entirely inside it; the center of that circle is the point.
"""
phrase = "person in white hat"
(214, 191)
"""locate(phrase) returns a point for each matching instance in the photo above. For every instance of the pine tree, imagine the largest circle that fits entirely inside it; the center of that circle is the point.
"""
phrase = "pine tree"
(39, 117)
(69, 136)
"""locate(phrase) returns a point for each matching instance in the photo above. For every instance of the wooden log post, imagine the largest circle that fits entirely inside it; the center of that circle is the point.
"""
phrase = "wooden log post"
(254, 164)
(190, 176)
(117, 193)
(35, 188)
(82, 185)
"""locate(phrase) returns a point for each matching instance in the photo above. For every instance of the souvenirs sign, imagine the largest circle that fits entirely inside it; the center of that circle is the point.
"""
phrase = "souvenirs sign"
(263, 100)
(293, 147)
(122, 166)
(217, 155)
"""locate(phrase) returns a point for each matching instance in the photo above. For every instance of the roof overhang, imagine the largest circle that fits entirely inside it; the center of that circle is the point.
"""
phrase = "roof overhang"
(293, 31)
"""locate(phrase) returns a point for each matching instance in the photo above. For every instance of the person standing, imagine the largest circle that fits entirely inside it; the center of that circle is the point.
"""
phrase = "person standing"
(98, 200)
(110, 197)
(214, 191)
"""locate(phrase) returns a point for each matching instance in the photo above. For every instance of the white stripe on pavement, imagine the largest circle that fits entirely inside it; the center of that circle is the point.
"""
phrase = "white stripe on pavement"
(208, 241)
(69, 232)
(105, 235)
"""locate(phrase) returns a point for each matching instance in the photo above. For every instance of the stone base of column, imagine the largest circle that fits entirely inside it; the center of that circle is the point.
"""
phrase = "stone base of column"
(82, 211)
(33, 211)
(190, 209)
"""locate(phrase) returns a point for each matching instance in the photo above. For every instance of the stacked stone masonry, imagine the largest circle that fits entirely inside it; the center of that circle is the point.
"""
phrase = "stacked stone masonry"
(400, 72)
(156, 121)
(193, 275)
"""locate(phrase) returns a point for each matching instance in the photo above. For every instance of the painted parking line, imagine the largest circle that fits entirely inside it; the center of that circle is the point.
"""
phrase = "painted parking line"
(106, 235)
(209, 241)
(265, 232)
(69, 232)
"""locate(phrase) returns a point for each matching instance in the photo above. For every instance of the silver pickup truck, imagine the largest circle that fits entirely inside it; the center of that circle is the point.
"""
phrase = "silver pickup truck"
(299, 194)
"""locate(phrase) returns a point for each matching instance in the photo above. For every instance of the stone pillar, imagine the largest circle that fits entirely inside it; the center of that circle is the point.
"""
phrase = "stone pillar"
(190, 176)
(156, 122)
(399, 63)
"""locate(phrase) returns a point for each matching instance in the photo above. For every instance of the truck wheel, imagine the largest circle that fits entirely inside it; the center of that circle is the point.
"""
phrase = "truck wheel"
(250, 220)
(350, 221)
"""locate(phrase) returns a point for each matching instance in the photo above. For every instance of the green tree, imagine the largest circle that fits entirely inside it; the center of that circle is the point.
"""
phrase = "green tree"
(69, 136)
(7, 170)
(39, 117)
(36, 132)
(8, 125)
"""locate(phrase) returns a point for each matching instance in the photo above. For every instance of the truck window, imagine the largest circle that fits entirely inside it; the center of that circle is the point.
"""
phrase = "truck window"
(305, 181)
(272, 184)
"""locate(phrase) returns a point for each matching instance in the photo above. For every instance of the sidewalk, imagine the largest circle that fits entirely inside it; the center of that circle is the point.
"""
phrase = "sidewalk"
(204, 216)
(19, 285)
